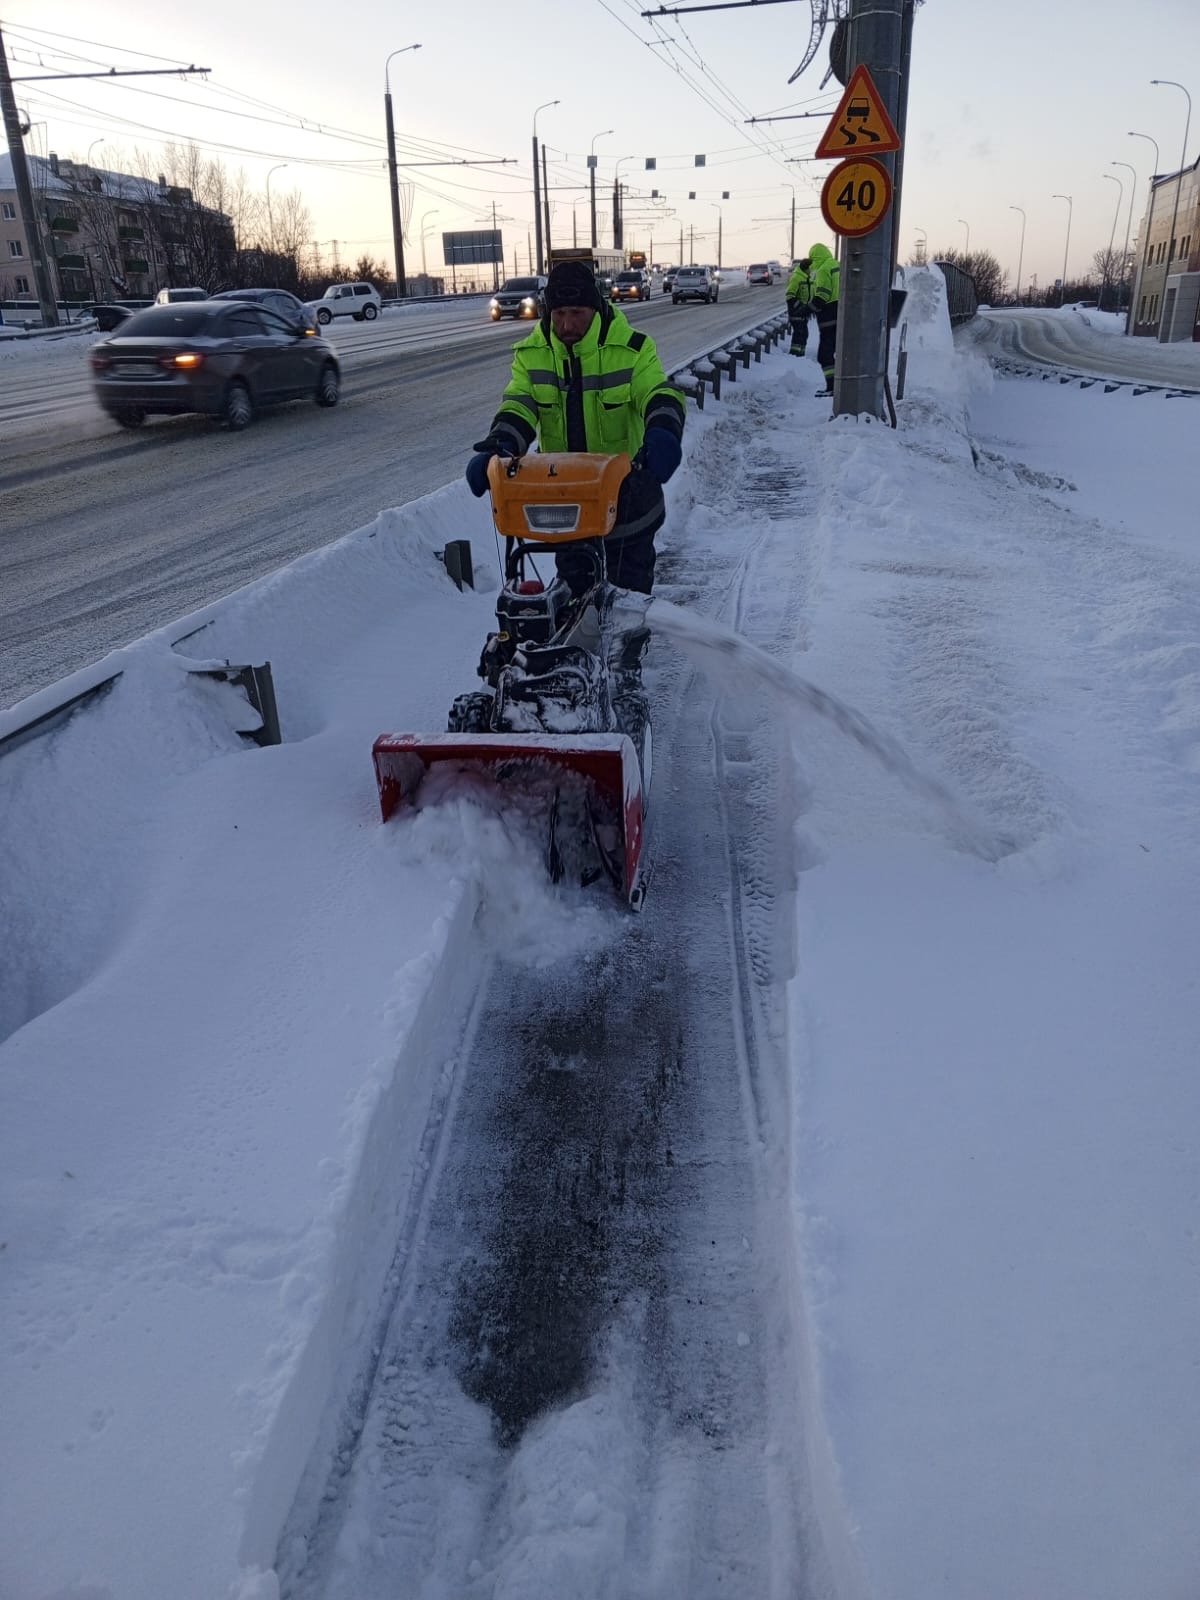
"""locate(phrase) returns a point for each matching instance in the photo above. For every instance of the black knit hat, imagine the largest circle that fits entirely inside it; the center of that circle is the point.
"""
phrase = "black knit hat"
(573, 283)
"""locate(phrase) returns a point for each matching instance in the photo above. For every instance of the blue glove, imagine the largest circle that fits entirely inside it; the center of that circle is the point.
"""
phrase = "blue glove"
(661, 452)
(477, 469)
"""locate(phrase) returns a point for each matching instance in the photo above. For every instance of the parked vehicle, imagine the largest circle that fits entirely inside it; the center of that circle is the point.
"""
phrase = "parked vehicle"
(174, 297)
(695, 283)
(519, 297)
(108, 317)
(632, 284)
(224, 358)
(362, 301)
(282, 301)
(758, 272)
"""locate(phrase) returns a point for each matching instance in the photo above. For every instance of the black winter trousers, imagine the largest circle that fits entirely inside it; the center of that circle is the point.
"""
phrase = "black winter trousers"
(630, 564)
(827, 348)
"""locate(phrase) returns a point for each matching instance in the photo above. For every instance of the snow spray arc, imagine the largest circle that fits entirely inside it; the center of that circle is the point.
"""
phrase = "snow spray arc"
(710, 643)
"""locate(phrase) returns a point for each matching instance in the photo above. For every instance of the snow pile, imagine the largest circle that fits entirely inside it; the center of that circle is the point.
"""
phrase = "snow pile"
(236, 1002)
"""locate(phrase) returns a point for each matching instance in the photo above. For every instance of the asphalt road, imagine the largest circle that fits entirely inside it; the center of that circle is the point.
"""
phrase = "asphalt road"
(109, 534)
(1050, 339)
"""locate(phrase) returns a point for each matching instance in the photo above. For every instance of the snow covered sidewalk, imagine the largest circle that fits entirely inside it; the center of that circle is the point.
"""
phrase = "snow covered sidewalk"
(233, 1000)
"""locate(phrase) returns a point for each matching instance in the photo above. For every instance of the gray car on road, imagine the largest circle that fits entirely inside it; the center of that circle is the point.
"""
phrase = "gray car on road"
(225, 358)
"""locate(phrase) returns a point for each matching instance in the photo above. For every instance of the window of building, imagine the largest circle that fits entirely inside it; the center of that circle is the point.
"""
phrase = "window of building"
(1142, 309)
(22, 285)
(8, 211)
(15, 247)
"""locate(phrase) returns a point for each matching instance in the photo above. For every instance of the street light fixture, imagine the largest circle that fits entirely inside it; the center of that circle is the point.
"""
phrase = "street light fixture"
(1125, 262)
(792, 187)
(922, 246)
(618, 209)
(433, 213)
(1112, 235)
(1171, 84)
(278, 167)
(1062, 288)
(592, 177)
(393, 182)
(967, 226)
(537, 182)
(1021, 251)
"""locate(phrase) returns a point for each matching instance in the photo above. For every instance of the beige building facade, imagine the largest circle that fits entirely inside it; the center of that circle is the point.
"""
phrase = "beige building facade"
(1166, 290)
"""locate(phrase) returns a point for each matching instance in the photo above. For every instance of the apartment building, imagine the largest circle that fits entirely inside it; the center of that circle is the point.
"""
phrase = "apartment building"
(109, 235)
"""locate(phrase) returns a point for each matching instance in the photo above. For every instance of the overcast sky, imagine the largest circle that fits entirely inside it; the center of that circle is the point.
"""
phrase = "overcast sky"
(1008, 105)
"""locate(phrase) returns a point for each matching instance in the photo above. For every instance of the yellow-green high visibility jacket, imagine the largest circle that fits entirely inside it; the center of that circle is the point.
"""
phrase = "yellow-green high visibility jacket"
(799, 286)
(826, 275)
(601, 393)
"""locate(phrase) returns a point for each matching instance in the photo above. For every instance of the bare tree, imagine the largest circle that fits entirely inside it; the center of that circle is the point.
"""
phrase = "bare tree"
(1112, 267)
(990, 277)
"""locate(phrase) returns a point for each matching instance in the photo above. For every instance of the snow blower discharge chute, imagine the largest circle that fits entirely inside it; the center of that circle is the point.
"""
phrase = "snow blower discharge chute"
(563, 719)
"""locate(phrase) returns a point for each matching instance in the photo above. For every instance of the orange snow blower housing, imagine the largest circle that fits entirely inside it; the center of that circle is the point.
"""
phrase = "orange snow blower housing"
(563, 712)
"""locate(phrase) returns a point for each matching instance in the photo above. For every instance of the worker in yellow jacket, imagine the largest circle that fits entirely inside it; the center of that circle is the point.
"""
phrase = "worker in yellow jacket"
(584, 379)
(825, 284)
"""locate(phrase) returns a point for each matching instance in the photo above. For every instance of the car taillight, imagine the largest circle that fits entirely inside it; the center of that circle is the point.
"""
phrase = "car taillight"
(99, 361)
(183, 361)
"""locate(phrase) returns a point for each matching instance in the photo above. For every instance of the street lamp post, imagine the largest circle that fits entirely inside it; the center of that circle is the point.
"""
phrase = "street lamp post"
(792, 187)
(1020, 252)
(1112, 236)
(618, 209)
(424, 230)
(922, 246)
(592, 177)
(1125, 263)
(393, 181)
(1171, 84)
(720, 232)
(1144, 244)
(278, 167)
(91, 147)
(967, 226)
(1062, 288)
(537, 196)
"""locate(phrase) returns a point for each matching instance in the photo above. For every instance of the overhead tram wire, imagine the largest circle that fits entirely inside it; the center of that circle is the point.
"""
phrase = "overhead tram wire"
(661, 43)
(303, 123)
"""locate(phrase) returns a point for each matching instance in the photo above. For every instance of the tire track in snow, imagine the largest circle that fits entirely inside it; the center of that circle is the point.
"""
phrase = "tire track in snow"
(580, 1391)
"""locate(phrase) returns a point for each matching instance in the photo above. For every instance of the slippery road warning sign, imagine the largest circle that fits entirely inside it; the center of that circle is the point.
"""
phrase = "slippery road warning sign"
(857, 196)
(860, 123)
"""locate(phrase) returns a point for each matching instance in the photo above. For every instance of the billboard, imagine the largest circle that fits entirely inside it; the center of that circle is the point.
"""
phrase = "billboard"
(483, 248)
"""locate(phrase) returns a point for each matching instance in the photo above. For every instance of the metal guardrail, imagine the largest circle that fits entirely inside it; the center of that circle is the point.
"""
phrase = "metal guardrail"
(1087, 380)
(962, 300)
(49, 708)
(712, 366)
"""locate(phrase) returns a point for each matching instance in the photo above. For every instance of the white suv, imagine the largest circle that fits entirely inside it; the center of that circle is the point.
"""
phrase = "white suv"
(357, 300)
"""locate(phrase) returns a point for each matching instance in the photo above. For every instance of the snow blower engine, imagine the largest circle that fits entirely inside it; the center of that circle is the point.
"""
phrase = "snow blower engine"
(563, 718)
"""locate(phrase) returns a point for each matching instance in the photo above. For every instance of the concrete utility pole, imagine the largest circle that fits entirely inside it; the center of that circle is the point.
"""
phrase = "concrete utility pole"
(29, 216)
(876, 40)
(393, 180)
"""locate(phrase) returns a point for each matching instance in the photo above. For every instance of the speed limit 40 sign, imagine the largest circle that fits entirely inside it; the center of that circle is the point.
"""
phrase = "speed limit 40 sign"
(857, 196)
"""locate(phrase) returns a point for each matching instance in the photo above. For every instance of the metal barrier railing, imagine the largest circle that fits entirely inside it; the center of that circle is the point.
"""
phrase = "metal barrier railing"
(721, 362)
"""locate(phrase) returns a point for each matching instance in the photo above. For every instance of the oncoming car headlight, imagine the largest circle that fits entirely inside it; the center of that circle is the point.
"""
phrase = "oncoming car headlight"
(552, 519)
(493, 304)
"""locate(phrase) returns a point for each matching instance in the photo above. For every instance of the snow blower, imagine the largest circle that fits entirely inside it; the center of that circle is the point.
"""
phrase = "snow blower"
(564, 718)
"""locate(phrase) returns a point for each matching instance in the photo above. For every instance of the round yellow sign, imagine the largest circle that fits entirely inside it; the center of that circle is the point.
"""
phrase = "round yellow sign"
(857, 196)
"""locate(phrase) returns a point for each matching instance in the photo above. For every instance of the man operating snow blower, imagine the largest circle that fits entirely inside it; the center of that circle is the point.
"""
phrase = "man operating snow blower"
(563, 716)
(584, 379)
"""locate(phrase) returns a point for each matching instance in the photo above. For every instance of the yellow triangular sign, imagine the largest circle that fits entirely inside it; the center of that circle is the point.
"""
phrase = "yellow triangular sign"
(861, 125)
